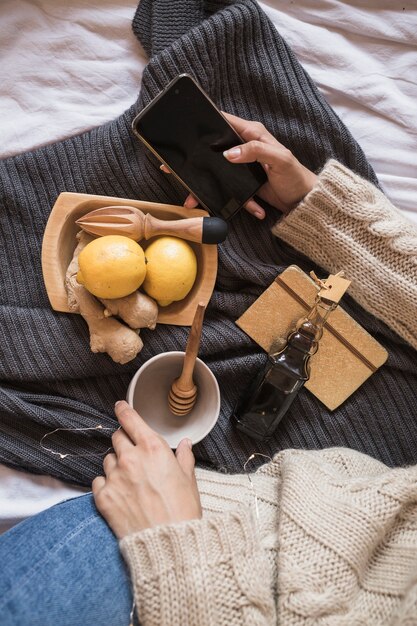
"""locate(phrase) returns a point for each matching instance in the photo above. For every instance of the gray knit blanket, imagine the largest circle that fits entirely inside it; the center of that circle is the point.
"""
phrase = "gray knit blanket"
(49, 377)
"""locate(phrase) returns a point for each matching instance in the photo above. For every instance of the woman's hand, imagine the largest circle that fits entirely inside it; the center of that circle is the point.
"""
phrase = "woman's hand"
(145, 484)
(288, 181)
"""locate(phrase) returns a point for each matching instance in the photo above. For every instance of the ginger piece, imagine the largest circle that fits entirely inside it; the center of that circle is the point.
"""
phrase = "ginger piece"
(137, 310)
(121, 343)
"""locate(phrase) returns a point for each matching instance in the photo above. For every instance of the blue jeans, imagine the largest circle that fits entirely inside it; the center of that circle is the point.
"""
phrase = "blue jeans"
(63, 567)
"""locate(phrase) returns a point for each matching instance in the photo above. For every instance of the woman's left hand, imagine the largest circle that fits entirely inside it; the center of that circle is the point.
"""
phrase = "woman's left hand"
(145, 483)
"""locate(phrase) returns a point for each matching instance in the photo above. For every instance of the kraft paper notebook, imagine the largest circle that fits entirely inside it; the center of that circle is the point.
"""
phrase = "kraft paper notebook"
(347, 353)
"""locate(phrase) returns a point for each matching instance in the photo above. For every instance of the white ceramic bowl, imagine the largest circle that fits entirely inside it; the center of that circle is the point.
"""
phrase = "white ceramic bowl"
(148, 395)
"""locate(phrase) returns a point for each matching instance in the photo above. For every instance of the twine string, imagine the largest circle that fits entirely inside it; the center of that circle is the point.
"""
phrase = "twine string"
(132, 613)
(63, 455)
(252, 486)
(322, 282)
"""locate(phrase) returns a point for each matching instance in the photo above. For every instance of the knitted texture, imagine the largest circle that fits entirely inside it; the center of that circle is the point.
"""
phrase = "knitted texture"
(334, 542)
(346, 223)
(202, 572)
(49, 377)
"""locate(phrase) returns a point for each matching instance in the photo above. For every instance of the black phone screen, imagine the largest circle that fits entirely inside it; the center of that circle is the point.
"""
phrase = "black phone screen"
(190, 135)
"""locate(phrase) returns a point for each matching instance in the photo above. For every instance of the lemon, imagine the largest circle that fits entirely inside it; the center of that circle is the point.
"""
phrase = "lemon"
(112, 266)
(171, 270)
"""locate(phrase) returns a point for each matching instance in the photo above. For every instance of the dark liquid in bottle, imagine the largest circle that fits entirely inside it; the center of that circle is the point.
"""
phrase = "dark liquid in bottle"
(260, 410)
(274, 390)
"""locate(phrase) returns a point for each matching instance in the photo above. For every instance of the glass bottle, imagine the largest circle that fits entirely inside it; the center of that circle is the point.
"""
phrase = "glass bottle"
(261, 409)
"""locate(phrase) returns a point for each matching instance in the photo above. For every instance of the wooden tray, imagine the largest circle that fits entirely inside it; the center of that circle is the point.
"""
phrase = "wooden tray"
(59, 243)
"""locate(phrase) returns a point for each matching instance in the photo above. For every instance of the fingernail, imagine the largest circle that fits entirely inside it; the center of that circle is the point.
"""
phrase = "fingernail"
(259, 215)
(189, 443)
(233, 153)
(118, 402)
(189, 203)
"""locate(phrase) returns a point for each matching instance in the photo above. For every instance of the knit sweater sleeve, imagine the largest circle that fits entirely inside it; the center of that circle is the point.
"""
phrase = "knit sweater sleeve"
(346, 223)
(204, 572)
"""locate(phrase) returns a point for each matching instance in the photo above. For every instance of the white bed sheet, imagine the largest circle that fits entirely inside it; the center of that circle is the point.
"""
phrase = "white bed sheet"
(66, 67)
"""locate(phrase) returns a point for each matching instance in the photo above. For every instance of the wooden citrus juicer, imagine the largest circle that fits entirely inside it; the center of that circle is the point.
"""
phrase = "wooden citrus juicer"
(183, 393)
(131, 222)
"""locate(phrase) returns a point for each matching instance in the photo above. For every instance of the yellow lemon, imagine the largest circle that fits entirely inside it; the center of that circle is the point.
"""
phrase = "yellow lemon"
(171, 270)
(112, 266)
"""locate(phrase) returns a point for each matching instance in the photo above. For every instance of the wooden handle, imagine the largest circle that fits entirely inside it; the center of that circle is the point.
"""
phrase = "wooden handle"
(185, 381)
(190, 229)
(131, 222)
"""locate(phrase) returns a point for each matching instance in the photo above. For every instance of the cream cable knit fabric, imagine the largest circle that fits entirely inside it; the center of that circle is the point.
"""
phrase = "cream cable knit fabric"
(335, 542)
(347, 223)
(335, 545)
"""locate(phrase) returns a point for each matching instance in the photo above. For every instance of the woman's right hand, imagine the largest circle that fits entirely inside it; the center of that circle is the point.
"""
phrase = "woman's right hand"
(288, 180)
(145, 484)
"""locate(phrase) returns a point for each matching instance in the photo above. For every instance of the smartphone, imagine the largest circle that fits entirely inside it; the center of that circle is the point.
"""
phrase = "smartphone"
(187, 132)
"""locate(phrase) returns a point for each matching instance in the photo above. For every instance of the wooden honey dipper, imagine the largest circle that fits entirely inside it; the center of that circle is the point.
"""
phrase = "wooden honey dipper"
(183, 393)
(131, 222)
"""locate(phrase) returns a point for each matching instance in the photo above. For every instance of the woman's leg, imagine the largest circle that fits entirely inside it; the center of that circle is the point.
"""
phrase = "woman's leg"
(63, 567)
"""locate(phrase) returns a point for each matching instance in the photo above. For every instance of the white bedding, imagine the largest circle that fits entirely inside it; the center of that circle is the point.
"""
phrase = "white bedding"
(66, 67)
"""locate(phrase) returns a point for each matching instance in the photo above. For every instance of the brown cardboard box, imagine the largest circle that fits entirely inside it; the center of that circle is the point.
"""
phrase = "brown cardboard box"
(347, 353)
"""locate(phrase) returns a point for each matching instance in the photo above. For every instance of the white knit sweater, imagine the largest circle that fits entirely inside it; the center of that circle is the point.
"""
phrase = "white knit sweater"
(321, 537)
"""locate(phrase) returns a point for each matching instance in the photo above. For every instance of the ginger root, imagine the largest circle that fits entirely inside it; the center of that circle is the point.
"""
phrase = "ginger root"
(121, 343)
(137, 310)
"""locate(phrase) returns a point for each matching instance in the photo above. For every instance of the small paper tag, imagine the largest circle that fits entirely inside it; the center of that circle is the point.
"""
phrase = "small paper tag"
(334, 289)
